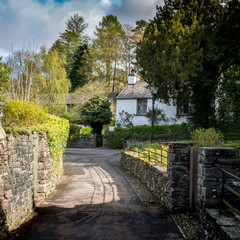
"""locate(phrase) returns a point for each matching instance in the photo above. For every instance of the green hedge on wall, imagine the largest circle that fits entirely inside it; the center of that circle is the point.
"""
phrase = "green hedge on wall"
(173, 132)
(21, 117)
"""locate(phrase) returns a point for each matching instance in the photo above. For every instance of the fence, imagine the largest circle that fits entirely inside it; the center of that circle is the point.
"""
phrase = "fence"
(236, 195)
(150, 152)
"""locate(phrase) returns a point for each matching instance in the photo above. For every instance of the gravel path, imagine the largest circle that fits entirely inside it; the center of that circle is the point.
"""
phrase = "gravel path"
(94, 201)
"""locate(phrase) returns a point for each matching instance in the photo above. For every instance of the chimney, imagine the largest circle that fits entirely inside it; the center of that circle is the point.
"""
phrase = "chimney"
(132, 77)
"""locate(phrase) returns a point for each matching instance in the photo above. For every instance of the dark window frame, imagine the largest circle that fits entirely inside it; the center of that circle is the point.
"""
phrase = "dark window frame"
(143, 103)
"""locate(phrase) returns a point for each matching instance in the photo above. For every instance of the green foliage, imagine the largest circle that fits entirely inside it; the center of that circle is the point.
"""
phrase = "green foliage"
(74, 131)
(207, 137)
(4, 78)
(57, 130)
(106, 49)
(125, 119)
(228, 103)
(115, 140)
(86, 132)
(233, 144)
(96, 113)
(142, 133)
(158, 117)
(26, 117)
(22, 114)
(51, 82)
(70, 117)
(180, 50)
(79, 68)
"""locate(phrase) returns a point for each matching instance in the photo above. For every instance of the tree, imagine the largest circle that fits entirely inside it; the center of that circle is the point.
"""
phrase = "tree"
(228, 100)
(73, 36)
(228, 35)
(129, 41)
(179, 51)
(23, 64)
(96, 113)
(106, 49)
(52, 84)
(79, 69)
(72, 44)
(5, 71)
(90, 90)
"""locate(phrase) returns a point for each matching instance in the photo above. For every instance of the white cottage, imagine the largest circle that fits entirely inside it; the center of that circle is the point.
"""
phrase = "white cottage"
(136, 99)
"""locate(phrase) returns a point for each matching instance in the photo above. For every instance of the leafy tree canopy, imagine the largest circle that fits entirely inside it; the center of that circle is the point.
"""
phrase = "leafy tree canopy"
(179, 51)
(5, 71)
(96, 113)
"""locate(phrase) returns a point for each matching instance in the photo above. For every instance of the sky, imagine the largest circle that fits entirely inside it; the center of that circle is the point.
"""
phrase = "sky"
(39, 22)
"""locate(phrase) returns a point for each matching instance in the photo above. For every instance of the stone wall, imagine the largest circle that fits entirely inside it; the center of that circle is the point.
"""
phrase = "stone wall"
(169, 184)
(214, 224)
(153, 176)
(179, 175)
(26, 177)
(47, 178)
(82, 142)
(17, 178)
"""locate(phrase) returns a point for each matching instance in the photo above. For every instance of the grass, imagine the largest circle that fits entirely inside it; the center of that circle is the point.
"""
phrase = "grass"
(153, 153)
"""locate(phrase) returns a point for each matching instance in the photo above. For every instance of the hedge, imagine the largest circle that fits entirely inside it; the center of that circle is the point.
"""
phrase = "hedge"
(21, 117)
(143, 133)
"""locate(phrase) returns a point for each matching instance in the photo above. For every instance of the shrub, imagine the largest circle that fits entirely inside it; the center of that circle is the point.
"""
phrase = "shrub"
(233, 144)
(115, 140)
(22, 114)
(70, 117)
(207, 137)
(86, 132)
(96, 113)
(74, 131)
(26, 117)
(57, 130)
(142, 133)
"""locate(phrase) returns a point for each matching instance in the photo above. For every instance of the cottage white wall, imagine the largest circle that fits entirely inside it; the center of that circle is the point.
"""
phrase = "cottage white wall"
(130, 106)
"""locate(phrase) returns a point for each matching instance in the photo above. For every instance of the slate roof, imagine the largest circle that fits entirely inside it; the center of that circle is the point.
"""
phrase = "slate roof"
(138, 90)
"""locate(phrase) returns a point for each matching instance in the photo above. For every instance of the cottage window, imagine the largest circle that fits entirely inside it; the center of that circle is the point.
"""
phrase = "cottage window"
(141, 106)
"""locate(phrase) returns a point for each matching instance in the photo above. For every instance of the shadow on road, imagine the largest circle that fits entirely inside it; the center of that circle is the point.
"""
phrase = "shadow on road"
(94, 202)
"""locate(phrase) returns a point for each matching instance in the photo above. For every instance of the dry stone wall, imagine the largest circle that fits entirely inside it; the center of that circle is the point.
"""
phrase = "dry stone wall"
(26, 177)
(169, 184)
(47, 178)
(17, 179)
(213, 223)
(81, 142)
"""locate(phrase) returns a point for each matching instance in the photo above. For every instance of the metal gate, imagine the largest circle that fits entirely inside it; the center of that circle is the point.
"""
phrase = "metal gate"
(98, 140)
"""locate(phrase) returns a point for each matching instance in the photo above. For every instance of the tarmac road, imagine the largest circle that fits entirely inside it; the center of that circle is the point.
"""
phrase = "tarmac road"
(95, 202)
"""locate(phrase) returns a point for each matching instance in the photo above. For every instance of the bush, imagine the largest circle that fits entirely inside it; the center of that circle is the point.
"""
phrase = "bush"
(233, 144)
(26, 117)
(19, 114)
(70, 117)
(74, 131)
(143, 133)
(207, 137)
(86, 132)
(57, 130)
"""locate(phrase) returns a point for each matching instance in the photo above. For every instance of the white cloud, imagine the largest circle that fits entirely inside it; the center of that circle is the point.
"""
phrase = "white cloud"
(106, 3)
(25, 20)
(131, 11)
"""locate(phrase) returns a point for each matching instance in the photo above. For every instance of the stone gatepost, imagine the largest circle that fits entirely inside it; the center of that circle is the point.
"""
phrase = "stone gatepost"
(212, 224)
(210, 160)
(179, 175)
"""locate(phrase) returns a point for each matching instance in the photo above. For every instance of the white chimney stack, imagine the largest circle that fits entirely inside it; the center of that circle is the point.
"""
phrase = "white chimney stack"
(132, 77)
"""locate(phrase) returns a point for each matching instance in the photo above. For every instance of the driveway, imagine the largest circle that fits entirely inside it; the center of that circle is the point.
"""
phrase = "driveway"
(95, 202)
